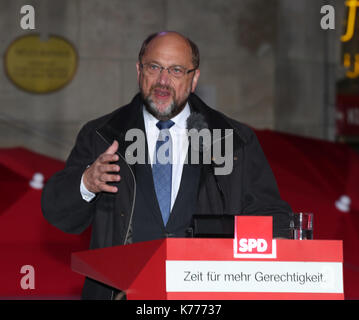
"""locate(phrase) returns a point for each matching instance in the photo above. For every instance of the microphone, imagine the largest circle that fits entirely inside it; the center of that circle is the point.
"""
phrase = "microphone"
(197, 121)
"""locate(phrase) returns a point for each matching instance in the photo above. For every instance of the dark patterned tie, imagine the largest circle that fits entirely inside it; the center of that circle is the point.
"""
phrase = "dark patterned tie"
(162, 168)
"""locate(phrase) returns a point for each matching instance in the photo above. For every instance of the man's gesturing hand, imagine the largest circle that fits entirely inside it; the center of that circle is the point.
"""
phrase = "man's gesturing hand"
(96, 176)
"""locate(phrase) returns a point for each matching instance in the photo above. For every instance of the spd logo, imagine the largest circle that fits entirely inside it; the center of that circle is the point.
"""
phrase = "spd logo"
(253, 237)
(252, 245)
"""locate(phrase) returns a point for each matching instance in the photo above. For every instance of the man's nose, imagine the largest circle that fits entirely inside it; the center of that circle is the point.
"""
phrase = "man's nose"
(164, 77)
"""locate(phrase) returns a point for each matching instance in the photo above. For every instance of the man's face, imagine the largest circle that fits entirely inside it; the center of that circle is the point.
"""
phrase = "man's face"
(165, 95)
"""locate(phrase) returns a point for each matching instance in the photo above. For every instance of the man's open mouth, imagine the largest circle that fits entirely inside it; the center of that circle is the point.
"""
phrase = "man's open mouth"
(162, 93)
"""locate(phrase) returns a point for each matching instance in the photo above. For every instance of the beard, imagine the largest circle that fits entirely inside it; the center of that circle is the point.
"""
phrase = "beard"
(174, 108)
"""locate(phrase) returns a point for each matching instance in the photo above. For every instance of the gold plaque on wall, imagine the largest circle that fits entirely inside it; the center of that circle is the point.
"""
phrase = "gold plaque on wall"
(40, 66)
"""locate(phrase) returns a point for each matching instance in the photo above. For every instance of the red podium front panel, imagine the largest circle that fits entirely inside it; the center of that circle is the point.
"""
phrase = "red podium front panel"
(246, 267)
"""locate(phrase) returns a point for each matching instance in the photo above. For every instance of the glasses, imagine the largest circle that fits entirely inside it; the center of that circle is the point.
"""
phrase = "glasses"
(154, 69)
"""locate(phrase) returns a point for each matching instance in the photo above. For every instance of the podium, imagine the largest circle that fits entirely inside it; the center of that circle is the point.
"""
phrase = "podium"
(246, 267)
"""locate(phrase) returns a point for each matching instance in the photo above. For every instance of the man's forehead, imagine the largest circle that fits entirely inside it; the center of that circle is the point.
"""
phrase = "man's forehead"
(171, 45)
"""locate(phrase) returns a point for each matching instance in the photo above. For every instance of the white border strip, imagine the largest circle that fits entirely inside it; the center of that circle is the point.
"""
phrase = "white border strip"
(271, 255)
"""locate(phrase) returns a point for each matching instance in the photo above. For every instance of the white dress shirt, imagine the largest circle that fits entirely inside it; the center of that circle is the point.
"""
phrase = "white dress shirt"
(179, 148)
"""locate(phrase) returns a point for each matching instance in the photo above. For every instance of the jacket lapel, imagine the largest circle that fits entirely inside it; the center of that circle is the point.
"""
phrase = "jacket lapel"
(123, 119)
(146, 187)
(188, 188)
(218, 182)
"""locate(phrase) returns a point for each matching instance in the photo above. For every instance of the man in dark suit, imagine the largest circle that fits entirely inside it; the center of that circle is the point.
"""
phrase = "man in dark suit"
(128, 202)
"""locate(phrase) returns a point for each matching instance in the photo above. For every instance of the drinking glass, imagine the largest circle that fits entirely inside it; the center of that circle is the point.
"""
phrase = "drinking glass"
(301, 226)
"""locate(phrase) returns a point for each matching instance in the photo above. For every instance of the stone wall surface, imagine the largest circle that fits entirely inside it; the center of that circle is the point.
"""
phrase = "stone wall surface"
(262, 62)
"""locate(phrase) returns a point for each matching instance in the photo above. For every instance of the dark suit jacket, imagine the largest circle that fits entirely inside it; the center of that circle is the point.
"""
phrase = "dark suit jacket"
(250, 189)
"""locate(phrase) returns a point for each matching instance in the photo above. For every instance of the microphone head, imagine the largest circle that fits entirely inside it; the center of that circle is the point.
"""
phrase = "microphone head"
(197, 122)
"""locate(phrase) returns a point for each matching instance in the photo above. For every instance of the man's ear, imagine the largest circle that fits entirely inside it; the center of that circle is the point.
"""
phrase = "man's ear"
(195, 79)
(138, 68)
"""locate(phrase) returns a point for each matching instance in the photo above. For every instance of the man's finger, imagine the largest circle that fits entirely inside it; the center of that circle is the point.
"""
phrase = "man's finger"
(109, 177)
(112, 148)
(109, 168)
(105, 158)
(107, 188)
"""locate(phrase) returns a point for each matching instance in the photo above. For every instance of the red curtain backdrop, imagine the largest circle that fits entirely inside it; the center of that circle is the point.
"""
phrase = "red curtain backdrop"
(312, 176)
(26, 238)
